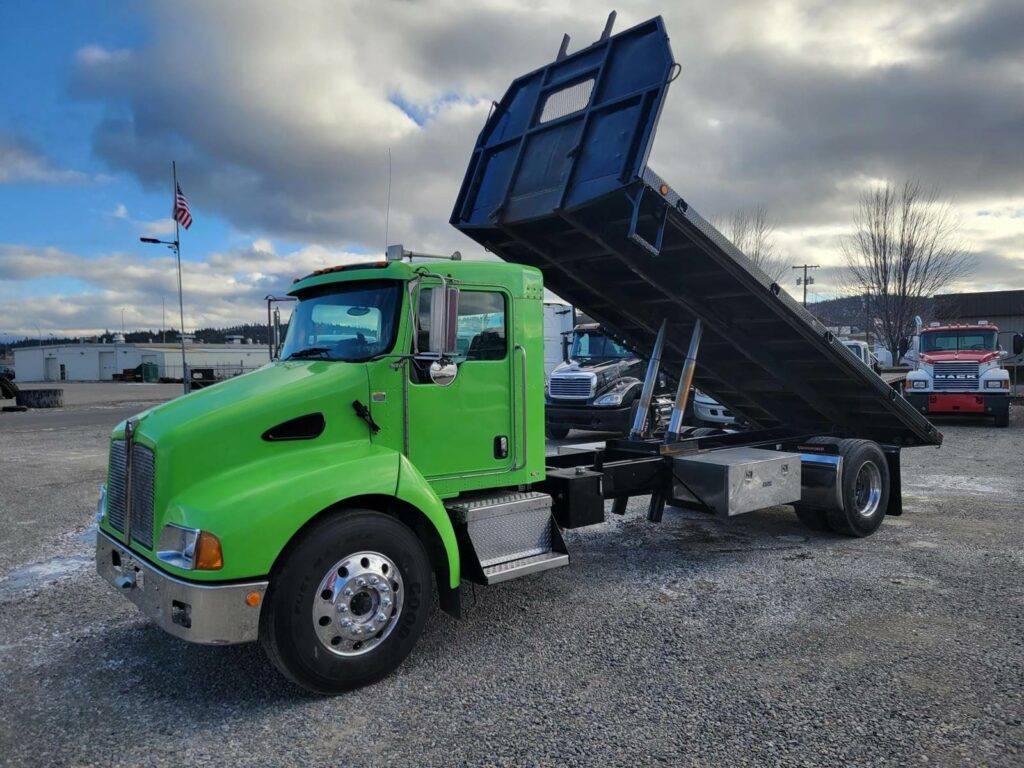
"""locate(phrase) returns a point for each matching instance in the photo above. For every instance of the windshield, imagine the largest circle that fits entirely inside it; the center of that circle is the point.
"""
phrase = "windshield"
(974, 340)
(594, 344)
(344, 321)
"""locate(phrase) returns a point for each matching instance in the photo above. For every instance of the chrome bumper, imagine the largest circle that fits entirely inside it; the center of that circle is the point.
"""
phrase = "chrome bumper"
(212, 614)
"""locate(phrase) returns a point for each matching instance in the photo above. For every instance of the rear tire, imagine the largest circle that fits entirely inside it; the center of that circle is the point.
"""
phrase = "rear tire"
(556, 433)
(865, 487)
(302, 624)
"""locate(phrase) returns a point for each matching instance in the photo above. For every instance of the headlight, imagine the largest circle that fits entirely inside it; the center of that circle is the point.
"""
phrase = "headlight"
(190, 549)
(997, 384)
(919, 384)
(612, 398)
(101, 505)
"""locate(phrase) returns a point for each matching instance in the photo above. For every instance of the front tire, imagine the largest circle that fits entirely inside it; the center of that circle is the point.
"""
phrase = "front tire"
(347, 603)
(1003, 420)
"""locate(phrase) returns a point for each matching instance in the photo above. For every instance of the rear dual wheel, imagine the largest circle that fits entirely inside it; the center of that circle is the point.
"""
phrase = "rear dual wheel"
(347, 603)
(864, 486)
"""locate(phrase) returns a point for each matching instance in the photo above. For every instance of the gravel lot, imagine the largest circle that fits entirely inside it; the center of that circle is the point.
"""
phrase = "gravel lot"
(693, 642)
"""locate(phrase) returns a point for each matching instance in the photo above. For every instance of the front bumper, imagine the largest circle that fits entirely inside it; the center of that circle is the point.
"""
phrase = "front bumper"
(589, 417)
(211, 614)
(977, 403)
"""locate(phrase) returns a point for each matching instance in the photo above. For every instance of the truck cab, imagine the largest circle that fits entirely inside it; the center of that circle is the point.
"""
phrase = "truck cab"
(957, 369)
(325, 478)
(863, 353)
(596, 387)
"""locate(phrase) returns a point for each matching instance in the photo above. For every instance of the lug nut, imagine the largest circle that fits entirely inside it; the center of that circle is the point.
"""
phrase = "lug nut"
(361, 581)
(342, 608)
(346, 622)
(381, 617)
(348, 593)
(385, 602)
(374, 580)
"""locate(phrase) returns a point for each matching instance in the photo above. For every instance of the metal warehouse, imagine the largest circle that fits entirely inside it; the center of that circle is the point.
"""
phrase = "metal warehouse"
(1004, 309)
(100, 362)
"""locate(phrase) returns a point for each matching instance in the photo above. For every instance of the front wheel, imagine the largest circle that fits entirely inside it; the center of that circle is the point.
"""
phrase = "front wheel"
(1003, 420)
(348, 602)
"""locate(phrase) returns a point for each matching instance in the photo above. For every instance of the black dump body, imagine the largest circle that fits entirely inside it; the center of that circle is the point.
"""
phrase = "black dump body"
(558, 180)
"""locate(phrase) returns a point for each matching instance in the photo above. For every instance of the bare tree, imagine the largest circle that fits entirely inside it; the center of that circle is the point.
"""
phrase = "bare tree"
(752, 232)
(905, 248)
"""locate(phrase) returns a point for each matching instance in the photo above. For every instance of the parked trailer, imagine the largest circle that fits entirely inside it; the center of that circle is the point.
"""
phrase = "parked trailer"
(397, 445)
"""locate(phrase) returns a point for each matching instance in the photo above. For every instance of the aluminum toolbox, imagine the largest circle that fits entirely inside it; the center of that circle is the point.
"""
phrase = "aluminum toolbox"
(736, 480)
(559, 180)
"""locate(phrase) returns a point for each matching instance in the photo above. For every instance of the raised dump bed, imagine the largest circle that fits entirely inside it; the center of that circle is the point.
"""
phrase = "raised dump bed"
(559, 180)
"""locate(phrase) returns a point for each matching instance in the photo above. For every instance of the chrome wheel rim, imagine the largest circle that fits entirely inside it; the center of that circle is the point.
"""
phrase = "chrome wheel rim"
(867, 492)
(358, 603)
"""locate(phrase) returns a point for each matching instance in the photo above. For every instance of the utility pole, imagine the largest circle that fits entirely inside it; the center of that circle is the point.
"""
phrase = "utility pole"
(163, 317)
(805, 280)
(122, 321)
(867, 319)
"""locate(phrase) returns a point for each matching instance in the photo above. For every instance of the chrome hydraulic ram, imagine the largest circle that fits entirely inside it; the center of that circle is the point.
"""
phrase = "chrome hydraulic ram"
(685, 381)
(653, 366)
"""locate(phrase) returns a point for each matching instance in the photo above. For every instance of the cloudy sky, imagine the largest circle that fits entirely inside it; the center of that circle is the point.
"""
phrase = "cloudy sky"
(281, 117)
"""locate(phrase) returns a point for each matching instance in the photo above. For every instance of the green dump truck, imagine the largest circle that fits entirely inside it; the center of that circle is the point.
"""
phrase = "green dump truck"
(396, 449)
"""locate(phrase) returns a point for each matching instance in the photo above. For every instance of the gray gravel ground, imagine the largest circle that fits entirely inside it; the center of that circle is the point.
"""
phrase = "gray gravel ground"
(696, 642)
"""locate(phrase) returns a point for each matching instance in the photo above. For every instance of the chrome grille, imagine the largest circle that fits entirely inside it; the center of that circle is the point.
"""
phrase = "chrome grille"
(117, 481)
(142, 495)
(571, 387)
(961, 377)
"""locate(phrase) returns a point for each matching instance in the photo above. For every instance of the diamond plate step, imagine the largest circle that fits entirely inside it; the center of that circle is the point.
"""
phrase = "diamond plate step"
(506, 535)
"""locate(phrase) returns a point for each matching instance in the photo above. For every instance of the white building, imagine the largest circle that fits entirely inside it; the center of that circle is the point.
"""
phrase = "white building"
(99, 362)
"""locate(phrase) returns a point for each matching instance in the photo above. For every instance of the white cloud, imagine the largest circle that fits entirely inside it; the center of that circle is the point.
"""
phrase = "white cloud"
(227, 289)
(150, 228)
(22, 163)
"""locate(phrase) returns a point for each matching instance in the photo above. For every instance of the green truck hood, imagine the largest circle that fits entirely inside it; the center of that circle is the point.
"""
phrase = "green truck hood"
(213, 434)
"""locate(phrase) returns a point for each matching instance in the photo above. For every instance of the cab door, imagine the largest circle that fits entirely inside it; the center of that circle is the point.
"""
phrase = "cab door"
(464, 429)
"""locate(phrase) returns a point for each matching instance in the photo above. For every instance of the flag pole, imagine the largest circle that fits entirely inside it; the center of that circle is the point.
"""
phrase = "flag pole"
(181, 300)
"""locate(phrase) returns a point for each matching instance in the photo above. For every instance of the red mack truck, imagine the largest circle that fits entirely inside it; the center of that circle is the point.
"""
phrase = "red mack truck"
(958, 369)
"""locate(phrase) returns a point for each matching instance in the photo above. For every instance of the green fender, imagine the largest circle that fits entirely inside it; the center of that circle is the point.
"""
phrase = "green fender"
(256, 508)
(414, 490)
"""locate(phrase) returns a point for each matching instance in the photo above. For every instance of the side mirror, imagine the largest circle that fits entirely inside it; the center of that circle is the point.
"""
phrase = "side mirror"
(565, 348)
(444, 320)
(443, 372)
(904, 346)
(1018, 344)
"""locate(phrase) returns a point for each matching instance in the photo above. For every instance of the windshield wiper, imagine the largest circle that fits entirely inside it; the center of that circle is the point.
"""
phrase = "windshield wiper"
(308, 352)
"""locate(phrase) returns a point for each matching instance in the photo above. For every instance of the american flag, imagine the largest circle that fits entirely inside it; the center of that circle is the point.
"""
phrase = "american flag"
(181, 211)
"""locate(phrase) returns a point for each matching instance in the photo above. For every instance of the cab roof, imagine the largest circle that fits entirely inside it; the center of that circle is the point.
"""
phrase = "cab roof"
(520, 280)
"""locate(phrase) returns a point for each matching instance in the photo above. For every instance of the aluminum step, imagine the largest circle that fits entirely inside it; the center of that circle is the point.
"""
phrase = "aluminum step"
(506, 535)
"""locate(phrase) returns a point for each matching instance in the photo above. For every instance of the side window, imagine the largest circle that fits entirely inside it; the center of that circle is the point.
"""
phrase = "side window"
(481, 332)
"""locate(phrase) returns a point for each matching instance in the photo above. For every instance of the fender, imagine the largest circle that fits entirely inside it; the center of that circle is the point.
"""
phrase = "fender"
(413, 489)
(255, 509)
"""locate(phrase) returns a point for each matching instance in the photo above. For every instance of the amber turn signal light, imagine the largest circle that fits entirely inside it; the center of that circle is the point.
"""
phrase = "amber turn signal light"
(253, 599)
(208, 555)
